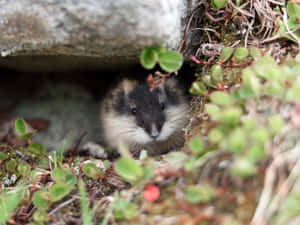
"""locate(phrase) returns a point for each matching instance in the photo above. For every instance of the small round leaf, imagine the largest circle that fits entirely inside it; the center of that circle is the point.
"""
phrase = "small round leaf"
(59, 191)
(129, 169)
(255, 53)
(243, 168)
(221, 98)
(42, 200)
(24, 169)
(170, 61)
(240, 53)
(20, 126)
(198, 88)
(37, 149)
(41, 216)
(226, 53)
(219, 4)
(200, 193)
(91, 170)
(58, 175)
(196, 145)
(216, 73)
(148, 58)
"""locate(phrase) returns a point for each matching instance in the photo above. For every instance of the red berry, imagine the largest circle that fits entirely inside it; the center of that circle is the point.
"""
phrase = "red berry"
(151, 193)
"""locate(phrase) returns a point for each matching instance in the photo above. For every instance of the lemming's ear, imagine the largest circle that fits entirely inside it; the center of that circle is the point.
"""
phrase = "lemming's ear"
(169, 82)
(128, 85)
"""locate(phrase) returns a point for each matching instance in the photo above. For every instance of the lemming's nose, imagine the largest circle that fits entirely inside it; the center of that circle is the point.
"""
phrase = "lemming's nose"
(154, 131)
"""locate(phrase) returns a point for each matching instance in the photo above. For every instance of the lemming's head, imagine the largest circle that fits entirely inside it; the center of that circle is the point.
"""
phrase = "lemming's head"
(140, 116)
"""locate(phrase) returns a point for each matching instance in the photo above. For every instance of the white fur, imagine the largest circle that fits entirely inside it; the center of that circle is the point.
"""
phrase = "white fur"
(123, 129)
(154, 130)
(176, 119)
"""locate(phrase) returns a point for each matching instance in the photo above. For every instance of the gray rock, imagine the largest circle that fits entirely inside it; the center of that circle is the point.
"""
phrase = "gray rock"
(113, 32)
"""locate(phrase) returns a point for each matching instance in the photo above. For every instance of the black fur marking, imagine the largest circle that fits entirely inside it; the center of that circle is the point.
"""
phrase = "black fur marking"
(172, 96)
(156, 91)
(148, 108)
(120, 105)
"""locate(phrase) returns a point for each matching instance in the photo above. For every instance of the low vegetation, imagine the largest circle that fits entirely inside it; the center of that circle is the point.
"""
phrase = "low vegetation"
(241, 159)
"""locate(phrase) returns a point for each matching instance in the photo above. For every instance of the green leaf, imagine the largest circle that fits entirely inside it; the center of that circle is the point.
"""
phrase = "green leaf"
(170, 61)
(148, 58)
(255, 53)
(293, 93)
(190, 164)
(198, 88)
(291, 204)
(226, 53)
(196, 145)
(61, 176)
(237, 141)
(91, 170)
(24, 169)
(256, 152)
(215, 135)
(218, 4)
(240, 53)
(276, 123)
(274, 88)
(249, 124)
(87, 214)
(261, 135)
(212, 110)
(123, 209)
(37, 149)
(246, 92)
(59, 191)
(8, 204)
(200, 193)
(70, 179)
(148, 172)
(58, 175)
(282, 30)
(20, 126)
(176, 159)
(293, 10)
(221, 98)
(11, 166)
(243, 168)
(230, 221)
(3, 156)
(41, 216)
(42, 200)
(159, 49)
(250, 81)
(128, 169)
(216, 73)
(208, 81)
(231, 116)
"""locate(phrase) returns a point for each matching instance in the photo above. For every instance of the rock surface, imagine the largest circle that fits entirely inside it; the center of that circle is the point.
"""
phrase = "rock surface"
(113, 32)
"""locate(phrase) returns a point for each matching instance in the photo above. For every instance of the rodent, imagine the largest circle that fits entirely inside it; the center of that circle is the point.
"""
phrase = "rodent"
(142, 118)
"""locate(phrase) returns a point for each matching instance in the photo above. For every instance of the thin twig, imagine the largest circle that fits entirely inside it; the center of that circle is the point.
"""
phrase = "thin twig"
(62, 205)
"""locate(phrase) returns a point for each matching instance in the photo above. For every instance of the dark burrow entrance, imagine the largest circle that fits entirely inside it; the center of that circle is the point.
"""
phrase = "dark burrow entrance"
(62, 102)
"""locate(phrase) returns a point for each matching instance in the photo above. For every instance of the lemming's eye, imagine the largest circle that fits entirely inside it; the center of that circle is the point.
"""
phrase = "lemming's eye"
(133, 111)
(162, 105)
